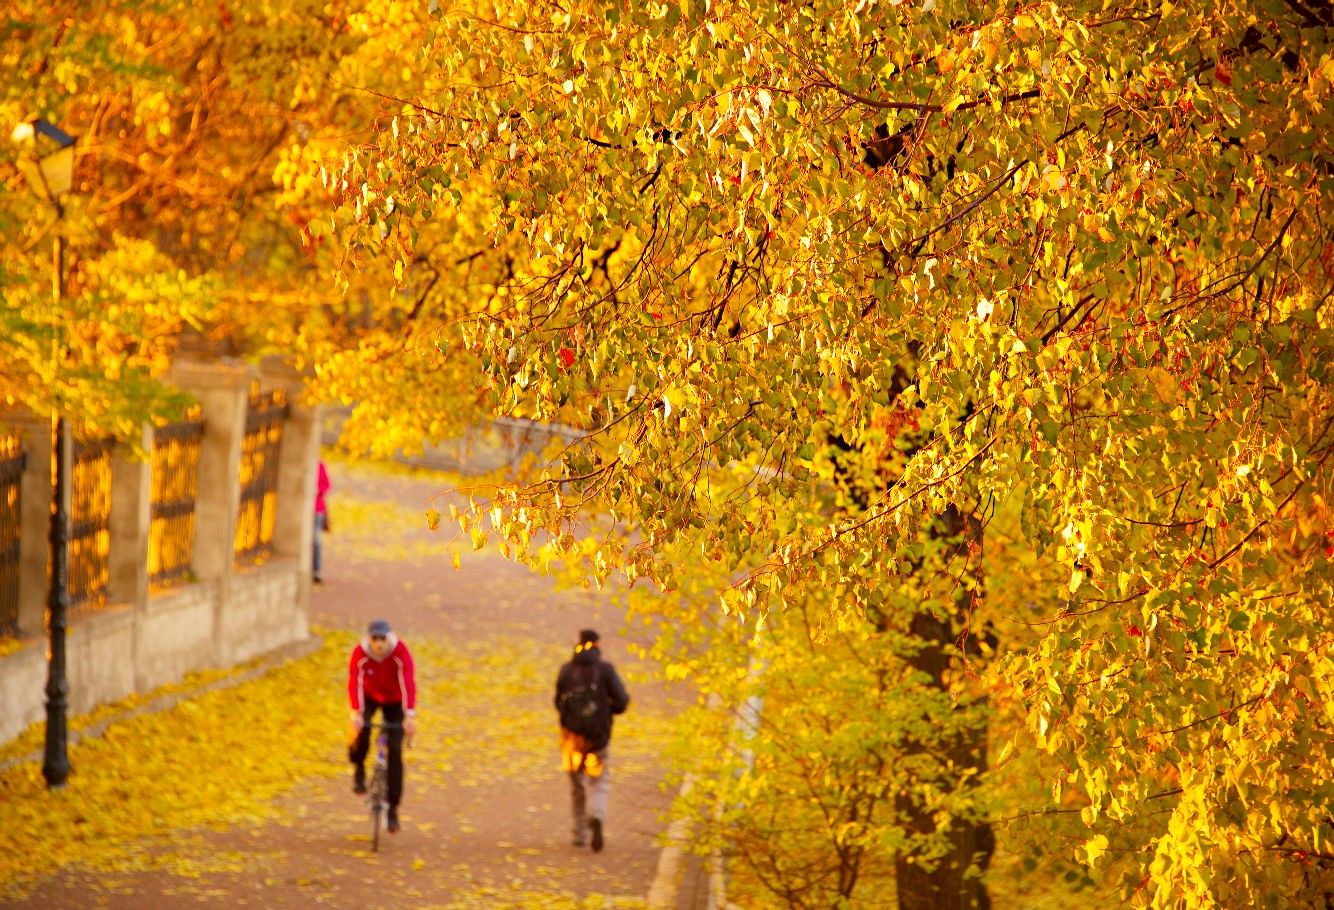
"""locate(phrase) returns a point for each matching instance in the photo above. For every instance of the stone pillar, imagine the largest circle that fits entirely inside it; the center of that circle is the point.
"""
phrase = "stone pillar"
(293, 533)
(131, 521)
(36, 490)
(222, 389)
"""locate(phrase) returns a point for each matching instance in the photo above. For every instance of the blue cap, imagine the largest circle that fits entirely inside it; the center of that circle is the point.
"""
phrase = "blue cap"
(378, 627)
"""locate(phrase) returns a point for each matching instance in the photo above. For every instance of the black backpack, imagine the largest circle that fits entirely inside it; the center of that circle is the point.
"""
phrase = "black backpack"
(584, 708)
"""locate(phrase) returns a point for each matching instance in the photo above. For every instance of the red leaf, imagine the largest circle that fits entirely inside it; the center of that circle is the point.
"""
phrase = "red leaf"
(566, 356)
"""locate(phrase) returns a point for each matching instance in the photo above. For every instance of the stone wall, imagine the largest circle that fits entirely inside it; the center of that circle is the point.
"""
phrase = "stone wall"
(227, 614)
(175, 635)
(22, 700)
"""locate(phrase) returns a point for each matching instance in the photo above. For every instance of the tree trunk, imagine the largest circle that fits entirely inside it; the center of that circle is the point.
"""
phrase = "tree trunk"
(947, 886)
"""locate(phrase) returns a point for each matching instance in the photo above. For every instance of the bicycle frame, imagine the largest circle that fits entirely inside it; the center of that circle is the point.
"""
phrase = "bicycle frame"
(376, 791)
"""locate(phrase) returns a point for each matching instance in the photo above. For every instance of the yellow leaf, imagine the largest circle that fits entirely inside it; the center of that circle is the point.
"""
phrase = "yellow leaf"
(1095, 847)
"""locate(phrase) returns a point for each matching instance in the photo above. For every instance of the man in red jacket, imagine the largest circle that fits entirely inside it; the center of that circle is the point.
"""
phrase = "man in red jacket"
(380, 677)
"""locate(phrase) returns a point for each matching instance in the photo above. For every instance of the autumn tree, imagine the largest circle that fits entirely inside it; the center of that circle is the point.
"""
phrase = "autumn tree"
(815, 276)
(199, 130)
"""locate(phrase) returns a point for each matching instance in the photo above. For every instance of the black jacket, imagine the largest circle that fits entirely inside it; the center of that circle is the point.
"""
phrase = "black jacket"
(617, 698)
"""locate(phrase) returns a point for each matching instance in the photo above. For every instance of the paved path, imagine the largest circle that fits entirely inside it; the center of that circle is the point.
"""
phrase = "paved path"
(488, 831)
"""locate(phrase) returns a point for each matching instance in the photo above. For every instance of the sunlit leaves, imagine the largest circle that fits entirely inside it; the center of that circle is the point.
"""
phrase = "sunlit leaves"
(192, 210)
(809, 276)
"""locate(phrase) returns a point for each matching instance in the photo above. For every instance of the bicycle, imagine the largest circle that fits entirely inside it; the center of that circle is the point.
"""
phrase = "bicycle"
(377, 790)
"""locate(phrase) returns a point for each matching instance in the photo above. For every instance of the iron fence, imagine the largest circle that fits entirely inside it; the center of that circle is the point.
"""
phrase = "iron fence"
(90, 522)
(265, 419)
(173, 501)
(12, 462)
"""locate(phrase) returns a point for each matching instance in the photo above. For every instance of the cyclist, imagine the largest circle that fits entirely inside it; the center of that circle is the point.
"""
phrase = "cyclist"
(380, 677)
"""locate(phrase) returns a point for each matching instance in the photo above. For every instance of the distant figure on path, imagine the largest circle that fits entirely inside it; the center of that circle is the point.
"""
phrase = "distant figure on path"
(380, 677)
(588, 694)
(321, 519)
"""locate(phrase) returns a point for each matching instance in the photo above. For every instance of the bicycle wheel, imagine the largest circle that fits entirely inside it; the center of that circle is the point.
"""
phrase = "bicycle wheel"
(377, 803)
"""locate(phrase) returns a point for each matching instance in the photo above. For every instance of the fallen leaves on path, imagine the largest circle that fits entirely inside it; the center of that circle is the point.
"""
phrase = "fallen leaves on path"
(205, 763)
(32, 739)
(144, 796)
(494, 899)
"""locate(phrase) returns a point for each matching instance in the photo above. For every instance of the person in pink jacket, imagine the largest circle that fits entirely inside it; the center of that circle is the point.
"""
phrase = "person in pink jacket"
(321, 520)
(380, 677)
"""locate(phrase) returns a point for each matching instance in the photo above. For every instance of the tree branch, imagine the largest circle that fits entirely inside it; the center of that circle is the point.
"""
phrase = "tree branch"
(599, 143)
(920, 107)
(370, 91)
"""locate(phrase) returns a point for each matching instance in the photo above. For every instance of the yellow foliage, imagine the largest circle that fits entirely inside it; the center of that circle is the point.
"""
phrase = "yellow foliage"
(206, 763)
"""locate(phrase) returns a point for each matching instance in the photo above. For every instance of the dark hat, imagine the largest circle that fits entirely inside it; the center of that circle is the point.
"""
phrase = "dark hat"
(378, 627)
(586, 636)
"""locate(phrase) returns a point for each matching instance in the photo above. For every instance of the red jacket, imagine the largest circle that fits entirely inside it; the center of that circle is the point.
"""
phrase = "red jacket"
(388, 681)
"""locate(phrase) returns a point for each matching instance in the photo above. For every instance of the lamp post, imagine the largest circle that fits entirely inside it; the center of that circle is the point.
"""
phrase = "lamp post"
(50, 172)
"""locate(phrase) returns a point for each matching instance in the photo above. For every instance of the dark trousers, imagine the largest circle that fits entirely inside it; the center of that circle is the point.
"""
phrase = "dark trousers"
(356, 753)
(321, 522)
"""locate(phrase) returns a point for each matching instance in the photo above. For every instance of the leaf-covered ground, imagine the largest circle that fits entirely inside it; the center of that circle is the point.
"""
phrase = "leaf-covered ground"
(239, 796)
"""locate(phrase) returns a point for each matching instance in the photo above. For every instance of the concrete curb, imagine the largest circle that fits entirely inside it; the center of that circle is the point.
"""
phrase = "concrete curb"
(665, 892)
(265, 664)
(683, 879)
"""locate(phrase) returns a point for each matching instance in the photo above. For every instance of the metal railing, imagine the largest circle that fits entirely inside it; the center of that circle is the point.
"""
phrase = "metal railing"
(265, 418)
(12, 462)
(90, 522)
(173, 500)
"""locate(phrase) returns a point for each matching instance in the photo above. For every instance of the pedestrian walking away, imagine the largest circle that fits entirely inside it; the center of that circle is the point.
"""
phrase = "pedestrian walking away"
(321, 522)
(380, 677)
(589, 694)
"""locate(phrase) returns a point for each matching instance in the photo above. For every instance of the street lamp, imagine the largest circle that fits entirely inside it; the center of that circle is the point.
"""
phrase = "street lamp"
(50, 174)
(48, 166)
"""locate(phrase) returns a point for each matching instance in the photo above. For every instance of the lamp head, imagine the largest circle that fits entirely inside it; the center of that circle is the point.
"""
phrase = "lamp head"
(49, 166)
